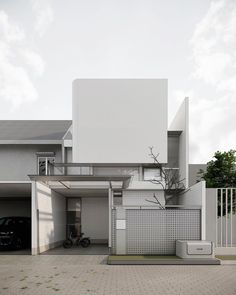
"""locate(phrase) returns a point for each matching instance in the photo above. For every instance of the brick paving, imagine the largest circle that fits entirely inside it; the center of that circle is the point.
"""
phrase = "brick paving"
(89, 274)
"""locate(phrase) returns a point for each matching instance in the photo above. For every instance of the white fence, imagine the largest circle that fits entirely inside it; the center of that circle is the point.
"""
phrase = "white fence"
(152, 231)
(226, 218)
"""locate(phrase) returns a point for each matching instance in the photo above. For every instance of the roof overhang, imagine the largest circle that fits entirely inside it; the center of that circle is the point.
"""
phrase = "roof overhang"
(125, 179)
(31, 141)
(172, 133)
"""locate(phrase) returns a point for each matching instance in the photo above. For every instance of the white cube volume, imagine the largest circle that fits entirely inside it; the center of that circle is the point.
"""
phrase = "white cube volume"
(116, 120)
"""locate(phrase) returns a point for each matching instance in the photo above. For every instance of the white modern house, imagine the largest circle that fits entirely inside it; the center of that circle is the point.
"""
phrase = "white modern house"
(94, 173)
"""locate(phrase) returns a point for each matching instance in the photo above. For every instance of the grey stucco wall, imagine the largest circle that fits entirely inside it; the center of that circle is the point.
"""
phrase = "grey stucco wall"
(140, 198)
(94, 218)
(134, 171)
(18, 161)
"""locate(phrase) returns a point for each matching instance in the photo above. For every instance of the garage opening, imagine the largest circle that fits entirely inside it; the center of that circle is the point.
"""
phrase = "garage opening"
(15, 218)
(71, 205)
(86, 217)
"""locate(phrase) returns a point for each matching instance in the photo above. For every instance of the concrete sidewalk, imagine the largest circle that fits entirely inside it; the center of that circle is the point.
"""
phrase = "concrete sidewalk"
(158, 260)
(89, 274)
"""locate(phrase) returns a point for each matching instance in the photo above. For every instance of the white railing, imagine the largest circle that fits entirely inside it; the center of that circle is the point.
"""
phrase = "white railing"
(70, 169)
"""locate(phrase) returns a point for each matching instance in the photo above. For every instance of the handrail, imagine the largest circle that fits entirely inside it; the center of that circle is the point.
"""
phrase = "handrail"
(156, 207)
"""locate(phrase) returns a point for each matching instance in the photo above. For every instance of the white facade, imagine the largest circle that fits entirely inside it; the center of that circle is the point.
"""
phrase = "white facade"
(116, 120)
(181, 122)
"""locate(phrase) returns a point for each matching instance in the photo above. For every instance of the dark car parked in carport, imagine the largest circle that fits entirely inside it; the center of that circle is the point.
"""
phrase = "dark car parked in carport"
(15, 232)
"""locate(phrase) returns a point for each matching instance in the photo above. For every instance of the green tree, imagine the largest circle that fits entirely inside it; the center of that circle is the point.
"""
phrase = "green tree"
(221, 171)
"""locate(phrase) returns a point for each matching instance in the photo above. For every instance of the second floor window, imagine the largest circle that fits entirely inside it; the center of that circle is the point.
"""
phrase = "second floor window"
(151, 174)
(45, 165)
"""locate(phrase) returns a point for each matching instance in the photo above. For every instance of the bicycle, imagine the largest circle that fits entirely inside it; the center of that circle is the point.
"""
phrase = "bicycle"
(76, 240)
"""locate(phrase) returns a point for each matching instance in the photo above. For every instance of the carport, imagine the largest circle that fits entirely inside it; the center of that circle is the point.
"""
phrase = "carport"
(15, 201)
(62, 202)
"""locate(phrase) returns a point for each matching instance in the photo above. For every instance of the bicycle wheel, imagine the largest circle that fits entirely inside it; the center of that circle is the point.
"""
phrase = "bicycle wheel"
(67, 244)
(85, 243)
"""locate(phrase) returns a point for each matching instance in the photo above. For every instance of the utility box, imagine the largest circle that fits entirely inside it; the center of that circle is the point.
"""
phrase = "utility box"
(194, 249)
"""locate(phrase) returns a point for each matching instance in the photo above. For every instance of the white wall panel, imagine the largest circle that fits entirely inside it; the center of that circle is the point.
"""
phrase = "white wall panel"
(18, 161)
(196, 196)
(116, 120)
(51, 217)
(94, 218)
(140, 198)
(181, 123)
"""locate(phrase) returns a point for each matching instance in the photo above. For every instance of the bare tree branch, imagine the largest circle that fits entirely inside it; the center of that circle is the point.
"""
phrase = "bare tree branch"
(157, 202)
(170, 182)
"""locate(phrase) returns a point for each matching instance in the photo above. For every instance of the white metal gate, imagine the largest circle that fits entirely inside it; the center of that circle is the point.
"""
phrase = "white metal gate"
(226, 218)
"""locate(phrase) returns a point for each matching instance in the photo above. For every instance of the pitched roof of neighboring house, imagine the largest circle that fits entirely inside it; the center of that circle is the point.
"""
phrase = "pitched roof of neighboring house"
(33, 129)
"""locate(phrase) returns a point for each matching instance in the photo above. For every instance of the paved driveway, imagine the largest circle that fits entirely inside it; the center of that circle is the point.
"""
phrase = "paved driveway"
(89, 274)
(75, 250)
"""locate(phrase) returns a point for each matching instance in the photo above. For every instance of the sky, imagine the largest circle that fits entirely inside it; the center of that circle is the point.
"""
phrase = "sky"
(46, 44)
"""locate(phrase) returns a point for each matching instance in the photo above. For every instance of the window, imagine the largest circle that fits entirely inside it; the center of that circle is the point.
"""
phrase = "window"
(117, 198)
(152, 174)
(45, 165)
(74, 216)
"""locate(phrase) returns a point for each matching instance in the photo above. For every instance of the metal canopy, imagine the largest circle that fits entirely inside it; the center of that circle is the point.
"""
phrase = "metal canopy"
(90, 178)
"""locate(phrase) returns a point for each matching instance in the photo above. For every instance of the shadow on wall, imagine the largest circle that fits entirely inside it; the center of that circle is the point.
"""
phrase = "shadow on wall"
(51, 217)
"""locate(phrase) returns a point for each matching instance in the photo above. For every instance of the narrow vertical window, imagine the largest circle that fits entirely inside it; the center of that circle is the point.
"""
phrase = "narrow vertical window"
(45, 165)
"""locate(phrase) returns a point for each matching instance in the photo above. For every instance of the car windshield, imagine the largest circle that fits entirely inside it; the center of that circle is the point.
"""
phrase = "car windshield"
(2, 221)
(6, 221)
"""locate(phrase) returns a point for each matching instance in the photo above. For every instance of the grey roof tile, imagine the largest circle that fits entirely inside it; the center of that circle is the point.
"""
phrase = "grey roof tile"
(33, 129)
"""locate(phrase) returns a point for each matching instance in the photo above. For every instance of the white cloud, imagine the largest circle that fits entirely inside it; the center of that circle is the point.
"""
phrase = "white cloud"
(214, 42)
(209, 67)
(16, 86)
(34, 60)
(19, 63)
(212, 108)
(43, 15)
(16, 81)
(9, 32)
(228, 84)
(210, 121)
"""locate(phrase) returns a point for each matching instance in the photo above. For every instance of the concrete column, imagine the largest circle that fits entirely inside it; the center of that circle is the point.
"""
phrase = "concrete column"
(203, 211)
(120, 231)
(110, 216)
(34, 220)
